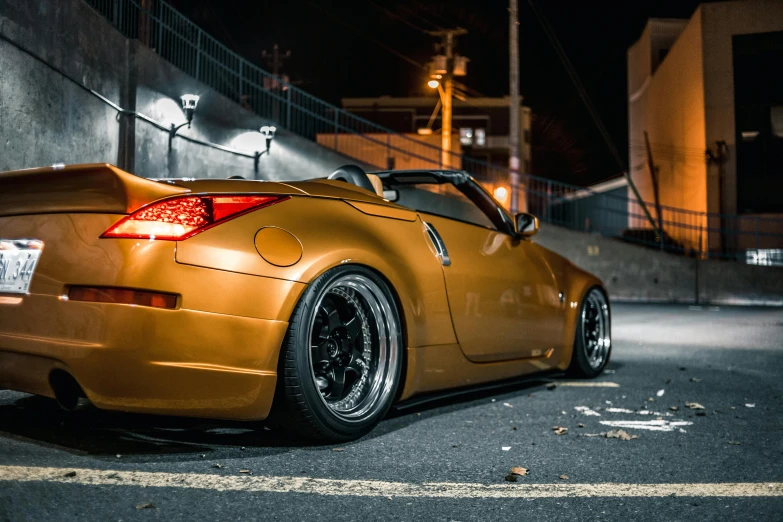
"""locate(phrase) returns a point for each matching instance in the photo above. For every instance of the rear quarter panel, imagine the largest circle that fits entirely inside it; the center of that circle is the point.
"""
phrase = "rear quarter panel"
(331, 233)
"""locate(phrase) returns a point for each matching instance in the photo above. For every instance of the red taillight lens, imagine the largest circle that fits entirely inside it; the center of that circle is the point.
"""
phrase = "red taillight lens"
(102, 294)
(179, 218)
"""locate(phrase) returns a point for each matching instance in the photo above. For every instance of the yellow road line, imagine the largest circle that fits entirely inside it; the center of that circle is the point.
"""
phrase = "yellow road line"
(377, 488)
(588, 384)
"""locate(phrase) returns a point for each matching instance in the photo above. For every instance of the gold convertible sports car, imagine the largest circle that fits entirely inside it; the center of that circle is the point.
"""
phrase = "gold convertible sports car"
(313, 304)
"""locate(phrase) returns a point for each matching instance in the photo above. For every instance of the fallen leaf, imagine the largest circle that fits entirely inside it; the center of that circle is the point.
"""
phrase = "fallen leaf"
(695, 379)
(694, 406)
(563, 477)
(674, 408)
(70, 474)
(148, 505)
(244, 471)
(660, 393)
(338, 449)
(518, 470)
(620, 434)
(735, 443)
(559, 430)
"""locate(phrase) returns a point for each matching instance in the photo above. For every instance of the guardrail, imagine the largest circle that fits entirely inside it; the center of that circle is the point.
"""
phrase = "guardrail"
(178, 40)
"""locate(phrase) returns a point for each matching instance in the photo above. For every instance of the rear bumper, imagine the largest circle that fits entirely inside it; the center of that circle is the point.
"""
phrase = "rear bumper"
(202, 363)
(174, 362)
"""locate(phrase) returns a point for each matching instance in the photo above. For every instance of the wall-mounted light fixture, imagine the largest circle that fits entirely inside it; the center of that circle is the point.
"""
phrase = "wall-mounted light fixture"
(268, 132)
(189, 104)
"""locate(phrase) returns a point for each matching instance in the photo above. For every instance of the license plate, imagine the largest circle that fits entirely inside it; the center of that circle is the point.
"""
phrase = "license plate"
(18, 259)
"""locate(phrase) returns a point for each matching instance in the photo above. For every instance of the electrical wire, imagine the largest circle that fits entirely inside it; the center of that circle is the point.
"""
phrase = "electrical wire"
(395, 16)
(377, 42)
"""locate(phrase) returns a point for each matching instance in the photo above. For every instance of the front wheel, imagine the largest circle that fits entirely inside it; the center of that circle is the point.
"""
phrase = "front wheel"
(593, 339)
(341, 359)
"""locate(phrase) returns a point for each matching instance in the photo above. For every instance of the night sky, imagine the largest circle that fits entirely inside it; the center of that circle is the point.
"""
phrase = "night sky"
(351, 48)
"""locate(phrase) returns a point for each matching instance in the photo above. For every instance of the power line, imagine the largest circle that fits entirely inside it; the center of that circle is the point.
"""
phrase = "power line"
(394, 15)
(377, 42)
(577, 82)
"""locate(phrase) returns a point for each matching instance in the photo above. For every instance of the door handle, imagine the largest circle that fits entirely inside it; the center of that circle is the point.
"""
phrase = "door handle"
(437, 242)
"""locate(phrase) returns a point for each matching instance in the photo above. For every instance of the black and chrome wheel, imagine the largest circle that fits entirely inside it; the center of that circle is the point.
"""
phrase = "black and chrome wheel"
(593, 340)
(341, 359)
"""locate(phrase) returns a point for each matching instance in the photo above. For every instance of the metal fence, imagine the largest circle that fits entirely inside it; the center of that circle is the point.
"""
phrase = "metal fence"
(182, 43)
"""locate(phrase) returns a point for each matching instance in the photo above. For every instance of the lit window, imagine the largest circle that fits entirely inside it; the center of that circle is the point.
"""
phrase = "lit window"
(466, 136)
(481, 138)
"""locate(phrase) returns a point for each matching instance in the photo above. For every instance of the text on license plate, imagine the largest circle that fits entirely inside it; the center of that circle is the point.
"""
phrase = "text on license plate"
(18, 259)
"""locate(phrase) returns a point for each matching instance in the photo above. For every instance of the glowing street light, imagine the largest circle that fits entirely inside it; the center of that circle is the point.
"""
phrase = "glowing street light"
(189, 104)
(433, 84)
(501, 195)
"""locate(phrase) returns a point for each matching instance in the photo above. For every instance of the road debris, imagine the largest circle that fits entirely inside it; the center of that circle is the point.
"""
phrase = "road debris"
(218, 466)
(338, 449)
(620, 434)
(694, 406)
(750, 405)
(660, 393)
(695, 379)
(674, 408)
(735, 443)
(559, 430)
(148, 505)
(505, 448)
(70, 474)
(587, 411)
(581, 425)
(551, 386)
(507, 405)
(518, 470)
(244, 471)
(563, 477)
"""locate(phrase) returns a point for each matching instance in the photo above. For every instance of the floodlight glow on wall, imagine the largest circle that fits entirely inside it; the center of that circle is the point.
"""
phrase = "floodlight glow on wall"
(189, 104)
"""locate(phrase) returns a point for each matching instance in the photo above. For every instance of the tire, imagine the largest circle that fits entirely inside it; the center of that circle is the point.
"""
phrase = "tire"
(341, 359)
(593, 337)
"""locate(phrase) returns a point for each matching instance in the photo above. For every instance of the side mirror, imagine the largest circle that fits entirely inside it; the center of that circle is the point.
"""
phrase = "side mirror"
(527, 224)
(391, 194)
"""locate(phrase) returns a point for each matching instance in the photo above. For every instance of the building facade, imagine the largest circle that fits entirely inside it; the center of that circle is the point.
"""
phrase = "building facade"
(705, 109)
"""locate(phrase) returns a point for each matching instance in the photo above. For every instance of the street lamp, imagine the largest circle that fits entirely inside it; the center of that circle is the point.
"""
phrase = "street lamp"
(433, 84)
(189, 103)
(268, 132)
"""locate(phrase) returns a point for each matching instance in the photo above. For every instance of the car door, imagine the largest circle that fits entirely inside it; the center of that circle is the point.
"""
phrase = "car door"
(503, 297)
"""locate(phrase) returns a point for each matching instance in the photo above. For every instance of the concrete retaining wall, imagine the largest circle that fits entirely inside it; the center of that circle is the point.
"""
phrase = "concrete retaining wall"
(634, 273)
(46, 119)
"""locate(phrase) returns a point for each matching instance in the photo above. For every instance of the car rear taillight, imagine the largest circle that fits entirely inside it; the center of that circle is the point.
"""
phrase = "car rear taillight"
(179, 218)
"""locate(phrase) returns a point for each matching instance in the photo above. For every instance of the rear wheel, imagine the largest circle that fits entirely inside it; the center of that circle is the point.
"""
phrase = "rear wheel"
(341, 359)
(593, 340)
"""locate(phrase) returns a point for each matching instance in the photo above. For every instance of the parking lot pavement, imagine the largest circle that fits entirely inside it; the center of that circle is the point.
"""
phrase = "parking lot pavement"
(697, 390)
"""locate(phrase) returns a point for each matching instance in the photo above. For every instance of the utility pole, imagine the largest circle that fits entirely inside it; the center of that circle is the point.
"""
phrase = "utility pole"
(513, 82)
(454, 66)
(274, 60)
(654, 179)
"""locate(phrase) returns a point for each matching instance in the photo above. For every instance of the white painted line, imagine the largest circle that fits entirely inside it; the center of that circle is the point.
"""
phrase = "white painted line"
(588, 384)
(651, 425)
(638, 412)
(377, 488)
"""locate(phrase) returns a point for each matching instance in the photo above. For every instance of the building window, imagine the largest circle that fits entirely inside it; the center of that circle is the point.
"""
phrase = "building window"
(481, 138)
(466, 136)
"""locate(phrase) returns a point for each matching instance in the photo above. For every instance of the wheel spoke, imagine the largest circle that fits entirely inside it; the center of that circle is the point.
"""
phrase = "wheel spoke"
(337, 383)
(357, 363)
(332, 317)
(320, 353)
(354, 328)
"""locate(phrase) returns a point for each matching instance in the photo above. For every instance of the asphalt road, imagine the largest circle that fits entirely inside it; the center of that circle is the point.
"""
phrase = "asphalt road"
(448, 460)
